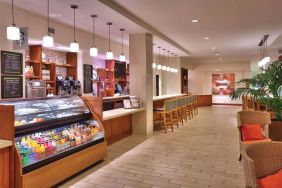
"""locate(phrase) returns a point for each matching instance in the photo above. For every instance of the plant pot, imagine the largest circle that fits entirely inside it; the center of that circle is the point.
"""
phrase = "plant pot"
(275, 130)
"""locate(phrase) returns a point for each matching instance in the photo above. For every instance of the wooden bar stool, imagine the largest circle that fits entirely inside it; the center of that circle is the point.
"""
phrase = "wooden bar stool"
(166, 115)
(175, 113)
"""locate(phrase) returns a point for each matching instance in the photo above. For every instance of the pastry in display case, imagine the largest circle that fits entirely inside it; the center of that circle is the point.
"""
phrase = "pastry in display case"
(50, 132)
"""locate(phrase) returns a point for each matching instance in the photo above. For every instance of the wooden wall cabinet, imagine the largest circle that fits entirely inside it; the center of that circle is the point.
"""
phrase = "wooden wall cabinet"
(38, 65)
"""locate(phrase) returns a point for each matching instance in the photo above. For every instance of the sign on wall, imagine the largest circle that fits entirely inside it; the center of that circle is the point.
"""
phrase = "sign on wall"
(88, 77)
(11, 63)
(23, 42)
(11, 87)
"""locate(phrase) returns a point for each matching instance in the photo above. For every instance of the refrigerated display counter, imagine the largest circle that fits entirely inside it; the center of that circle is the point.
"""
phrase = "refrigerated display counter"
(54, 138)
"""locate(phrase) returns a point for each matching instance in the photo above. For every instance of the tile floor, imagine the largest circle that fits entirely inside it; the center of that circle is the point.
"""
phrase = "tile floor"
(203, 153)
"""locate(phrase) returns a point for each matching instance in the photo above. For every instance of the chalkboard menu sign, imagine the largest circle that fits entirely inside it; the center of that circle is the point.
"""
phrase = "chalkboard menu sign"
(87, 81)
(11, 87)
(11, 63)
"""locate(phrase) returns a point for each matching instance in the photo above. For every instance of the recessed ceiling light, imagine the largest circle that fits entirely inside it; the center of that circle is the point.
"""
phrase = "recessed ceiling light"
(213, 48)
(220, 59)
(195, 21)
(217, 53)
(207, 38)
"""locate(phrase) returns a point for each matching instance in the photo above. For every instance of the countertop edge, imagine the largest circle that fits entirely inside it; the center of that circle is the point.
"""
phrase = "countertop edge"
(126, 112)
(5, 143)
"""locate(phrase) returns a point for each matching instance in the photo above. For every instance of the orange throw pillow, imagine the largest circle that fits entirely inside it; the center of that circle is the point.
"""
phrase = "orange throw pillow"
(251, 132)
(272, 181)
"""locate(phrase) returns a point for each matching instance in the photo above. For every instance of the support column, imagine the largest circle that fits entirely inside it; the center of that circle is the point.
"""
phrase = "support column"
(141, 80)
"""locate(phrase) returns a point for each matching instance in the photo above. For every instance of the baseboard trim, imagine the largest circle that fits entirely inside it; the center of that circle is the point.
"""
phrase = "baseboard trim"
(228, 104)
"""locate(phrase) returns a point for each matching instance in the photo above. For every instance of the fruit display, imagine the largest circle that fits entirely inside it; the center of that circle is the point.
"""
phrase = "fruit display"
(41, 145)
(23, 122)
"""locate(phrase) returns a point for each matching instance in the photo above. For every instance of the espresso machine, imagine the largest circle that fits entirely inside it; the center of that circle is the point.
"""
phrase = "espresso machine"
(68, 86)
(75, 87)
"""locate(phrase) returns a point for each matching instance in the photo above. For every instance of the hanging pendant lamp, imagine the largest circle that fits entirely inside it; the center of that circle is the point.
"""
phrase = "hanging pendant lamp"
(93, 50)
(122, 56)
(109, 54)
(176, 69)
(172, 69)
(48, 40)
(13, 32)
(164, 67)
(168, 67)
(74, 46)
(154, 65)
(159, 66)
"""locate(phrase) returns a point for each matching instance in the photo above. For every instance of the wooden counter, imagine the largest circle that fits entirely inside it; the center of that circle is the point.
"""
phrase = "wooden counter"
(164, 97)
(158, 101)
(118, 123)
(204, 100)
(6, 157)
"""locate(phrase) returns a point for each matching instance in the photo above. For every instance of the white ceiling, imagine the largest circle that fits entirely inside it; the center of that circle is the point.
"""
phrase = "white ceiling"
(61, 11)
(235, 27)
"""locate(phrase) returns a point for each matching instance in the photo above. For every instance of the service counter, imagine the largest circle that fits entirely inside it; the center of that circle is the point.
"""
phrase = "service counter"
(114, 102)
(118, 123)
(6, 164)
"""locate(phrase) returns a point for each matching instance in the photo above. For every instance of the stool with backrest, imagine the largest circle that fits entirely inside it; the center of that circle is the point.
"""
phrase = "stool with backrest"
(180, 110)
(255, 119)
(183, 108)
(262, 164)
(175, 113)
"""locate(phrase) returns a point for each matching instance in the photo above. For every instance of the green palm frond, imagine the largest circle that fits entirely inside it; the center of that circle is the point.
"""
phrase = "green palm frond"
(264, 88)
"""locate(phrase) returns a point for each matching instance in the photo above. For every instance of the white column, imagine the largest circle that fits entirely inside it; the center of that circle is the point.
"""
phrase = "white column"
(141, 80)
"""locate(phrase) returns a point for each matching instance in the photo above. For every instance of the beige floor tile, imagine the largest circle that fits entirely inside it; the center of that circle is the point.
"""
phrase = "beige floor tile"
(202, 153)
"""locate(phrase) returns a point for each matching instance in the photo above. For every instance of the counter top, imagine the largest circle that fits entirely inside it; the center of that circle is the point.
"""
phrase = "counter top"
(5, 143)
(116, 97)
(162, 97)
(110, 114)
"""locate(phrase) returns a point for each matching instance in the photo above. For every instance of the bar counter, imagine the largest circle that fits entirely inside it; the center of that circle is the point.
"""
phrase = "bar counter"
(163, 97)
(111, 114)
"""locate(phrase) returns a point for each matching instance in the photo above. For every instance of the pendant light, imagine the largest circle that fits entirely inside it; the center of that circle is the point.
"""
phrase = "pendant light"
(109, 54)
(74, 46)
(122, 56)
(48, 40)
(159, 66)
(176, 69)
(13, 32)
(168, 67)
(154, 65)
(263, 52)
(93, 50)
(172, 69)
(164, 67)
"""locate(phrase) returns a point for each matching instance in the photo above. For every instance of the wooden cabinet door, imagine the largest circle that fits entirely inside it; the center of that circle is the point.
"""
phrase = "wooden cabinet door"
(127, 124)
(108, 129)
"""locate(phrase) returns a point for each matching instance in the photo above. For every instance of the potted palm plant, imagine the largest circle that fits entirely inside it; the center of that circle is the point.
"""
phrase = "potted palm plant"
(265, 87)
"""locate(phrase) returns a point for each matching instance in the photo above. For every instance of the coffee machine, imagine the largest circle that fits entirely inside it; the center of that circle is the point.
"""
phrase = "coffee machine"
(68, 86)
(75, 87)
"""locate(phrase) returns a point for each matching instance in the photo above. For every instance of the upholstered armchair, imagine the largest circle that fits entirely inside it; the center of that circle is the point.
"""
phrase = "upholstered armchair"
(261, 160)
(253, 117)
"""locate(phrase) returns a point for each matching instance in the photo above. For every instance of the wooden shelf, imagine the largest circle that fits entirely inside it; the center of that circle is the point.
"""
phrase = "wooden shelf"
(32, 61)
(47, 63)
(65, 65)
(50, 88)
(107, 70)
(49, 81)
(32, 77)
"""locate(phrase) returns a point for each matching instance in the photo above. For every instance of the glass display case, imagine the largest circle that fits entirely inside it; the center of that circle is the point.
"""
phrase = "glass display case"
(49, 129)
